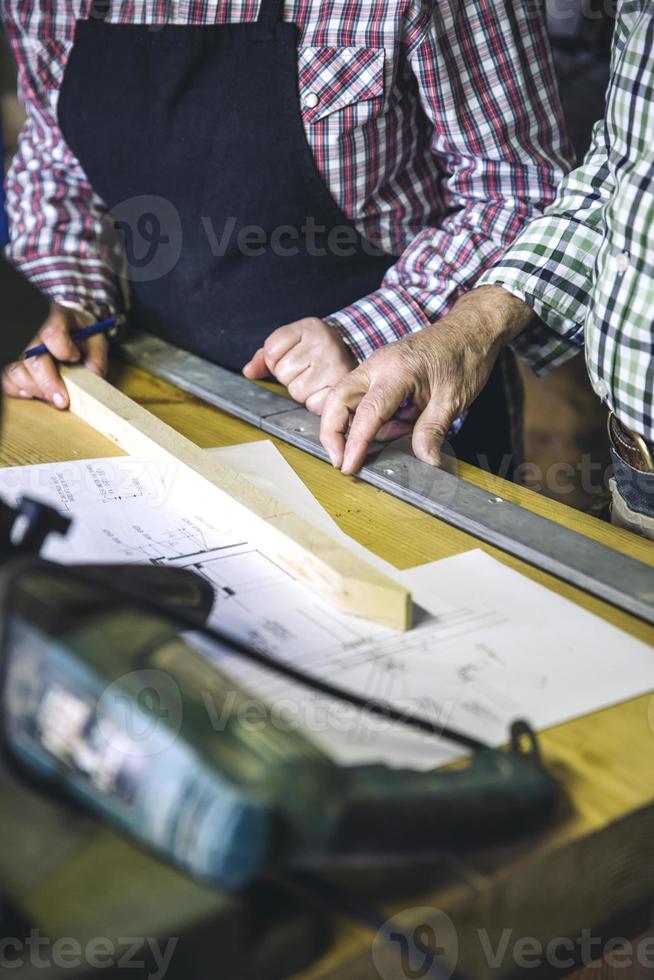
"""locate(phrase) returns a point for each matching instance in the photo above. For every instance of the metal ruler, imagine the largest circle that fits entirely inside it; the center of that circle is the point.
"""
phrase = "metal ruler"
(571, 556)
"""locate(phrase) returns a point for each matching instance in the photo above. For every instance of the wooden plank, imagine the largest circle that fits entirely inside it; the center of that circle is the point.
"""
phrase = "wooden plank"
(337, 575)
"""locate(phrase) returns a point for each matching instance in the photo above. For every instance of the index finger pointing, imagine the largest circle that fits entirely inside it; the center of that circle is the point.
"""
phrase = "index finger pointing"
(340, 404)
(376, 408)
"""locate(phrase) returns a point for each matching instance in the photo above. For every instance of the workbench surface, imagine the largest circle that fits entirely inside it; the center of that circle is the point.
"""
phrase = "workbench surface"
(591, 869)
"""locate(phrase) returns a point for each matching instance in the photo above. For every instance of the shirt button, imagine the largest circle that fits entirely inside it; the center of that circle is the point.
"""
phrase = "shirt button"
(311, 100)
(601, 388)
(622, 261)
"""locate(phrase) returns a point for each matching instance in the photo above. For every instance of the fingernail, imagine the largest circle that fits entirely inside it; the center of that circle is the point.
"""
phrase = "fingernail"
(24, 394)
(59, 400)
(333, 457)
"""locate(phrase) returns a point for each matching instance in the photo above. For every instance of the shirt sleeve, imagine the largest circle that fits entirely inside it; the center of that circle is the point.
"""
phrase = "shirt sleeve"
(3, 217)
(59, 235)
(550, 265)
(487, 88)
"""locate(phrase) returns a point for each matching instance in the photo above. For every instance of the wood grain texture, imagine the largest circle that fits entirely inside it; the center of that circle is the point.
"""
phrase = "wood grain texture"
(597, 860)
(334, 573)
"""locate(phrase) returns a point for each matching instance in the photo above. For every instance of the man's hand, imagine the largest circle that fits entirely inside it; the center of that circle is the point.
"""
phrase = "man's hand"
(440, 371)
(309, 357)
(38, 377)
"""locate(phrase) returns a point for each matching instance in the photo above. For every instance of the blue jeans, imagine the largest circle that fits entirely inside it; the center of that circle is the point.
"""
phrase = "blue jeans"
(633, 497)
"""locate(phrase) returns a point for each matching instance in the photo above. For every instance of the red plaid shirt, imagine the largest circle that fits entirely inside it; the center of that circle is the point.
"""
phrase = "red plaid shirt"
(435, 124)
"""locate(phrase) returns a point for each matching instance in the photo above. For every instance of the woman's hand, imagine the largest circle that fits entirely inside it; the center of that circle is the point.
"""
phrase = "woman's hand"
(38, 377)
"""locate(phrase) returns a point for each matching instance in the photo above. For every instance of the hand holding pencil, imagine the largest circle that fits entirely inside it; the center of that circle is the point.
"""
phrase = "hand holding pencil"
(76, 335)
(69, 336)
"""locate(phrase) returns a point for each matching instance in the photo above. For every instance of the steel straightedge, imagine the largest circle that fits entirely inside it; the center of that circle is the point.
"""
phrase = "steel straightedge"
(571, 556)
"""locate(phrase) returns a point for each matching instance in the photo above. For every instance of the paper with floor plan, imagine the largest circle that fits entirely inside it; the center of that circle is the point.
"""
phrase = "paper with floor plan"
(489, 645)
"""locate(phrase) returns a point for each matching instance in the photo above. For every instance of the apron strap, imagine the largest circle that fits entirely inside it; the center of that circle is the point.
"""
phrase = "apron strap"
(99, 9)
(271, 13)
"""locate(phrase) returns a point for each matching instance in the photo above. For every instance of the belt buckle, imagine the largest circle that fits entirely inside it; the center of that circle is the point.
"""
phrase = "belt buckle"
(641, 445)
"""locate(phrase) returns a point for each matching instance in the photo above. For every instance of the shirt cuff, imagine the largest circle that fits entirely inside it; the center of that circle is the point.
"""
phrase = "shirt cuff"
(86, 285)
(552, 339)
(378, 319)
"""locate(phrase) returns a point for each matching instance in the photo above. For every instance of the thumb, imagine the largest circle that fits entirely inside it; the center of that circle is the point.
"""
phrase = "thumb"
(431, 430)
(257, 367)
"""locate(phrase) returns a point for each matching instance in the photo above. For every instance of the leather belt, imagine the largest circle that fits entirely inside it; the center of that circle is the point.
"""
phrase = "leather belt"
(630, 447)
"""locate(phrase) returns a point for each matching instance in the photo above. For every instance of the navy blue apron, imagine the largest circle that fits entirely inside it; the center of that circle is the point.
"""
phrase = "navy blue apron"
(193, 137)
(208, 119)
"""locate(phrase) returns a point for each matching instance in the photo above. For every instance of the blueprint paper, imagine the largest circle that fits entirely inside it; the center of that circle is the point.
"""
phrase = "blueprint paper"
(489, 646)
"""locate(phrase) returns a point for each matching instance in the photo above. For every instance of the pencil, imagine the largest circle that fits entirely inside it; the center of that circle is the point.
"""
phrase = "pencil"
(83, 333)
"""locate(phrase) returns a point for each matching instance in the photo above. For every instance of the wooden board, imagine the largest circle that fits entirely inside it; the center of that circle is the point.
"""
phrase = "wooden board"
(335, 573)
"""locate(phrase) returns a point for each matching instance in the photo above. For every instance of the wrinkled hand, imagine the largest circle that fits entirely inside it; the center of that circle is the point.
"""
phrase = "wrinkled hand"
(38, 377)
(309, 357)
(440, 370)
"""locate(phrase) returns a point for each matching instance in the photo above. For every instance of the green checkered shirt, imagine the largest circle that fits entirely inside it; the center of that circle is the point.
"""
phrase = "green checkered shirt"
(587, 265)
